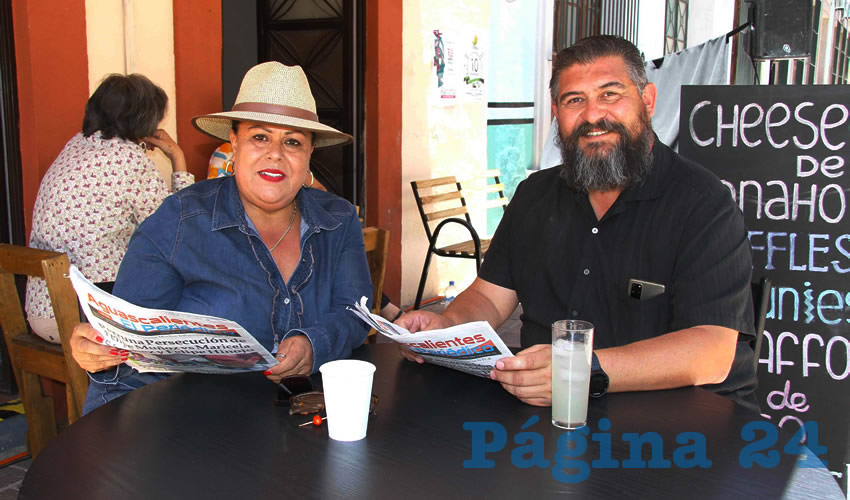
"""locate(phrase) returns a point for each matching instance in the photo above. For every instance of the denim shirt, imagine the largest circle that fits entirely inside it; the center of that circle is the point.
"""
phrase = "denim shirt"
(200, 253)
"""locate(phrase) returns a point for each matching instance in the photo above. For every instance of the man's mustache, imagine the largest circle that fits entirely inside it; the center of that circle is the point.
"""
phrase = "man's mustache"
(601, 125)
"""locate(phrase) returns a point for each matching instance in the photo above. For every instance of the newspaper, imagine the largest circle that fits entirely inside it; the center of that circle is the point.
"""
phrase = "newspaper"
(471, 348)
(170, 341)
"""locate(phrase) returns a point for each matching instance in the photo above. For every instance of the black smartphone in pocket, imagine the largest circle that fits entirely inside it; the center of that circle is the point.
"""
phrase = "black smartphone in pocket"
(644, 290)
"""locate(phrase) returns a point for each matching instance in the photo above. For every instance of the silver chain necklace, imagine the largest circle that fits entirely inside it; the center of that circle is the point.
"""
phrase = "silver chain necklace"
(291, 220)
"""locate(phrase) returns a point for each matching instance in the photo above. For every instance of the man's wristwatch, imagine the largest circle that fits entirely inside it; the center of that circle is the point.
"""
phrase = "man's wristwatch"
(598, 379)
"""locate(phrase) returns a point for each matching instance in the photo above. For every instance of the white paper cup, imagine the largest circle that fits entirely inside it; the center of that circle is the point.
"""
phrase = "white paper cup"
(348, 391)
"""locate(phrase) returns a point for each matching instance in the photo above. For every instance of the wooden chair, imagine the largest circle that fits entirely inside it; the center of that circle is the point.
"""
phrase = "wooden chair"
(31, 356)
(447, 192)
(761, 299)
(377, 243)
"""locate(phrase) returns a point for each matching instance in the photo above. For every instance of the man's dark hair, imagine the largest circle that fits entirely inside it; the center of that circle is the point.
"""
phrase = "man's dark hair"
(589, 49)
(129, 107)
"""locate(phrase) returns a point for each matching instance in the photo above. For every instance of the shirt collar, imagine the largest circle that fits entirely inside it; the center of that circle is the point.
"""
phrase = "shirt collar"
(229, 211)
(314, 213)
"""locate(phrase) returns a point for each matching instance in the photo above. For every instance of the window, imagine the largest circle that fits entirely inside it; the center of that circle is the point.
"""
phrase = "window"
(676, 26)
(574, 20)
(815, 26)
(839, 59)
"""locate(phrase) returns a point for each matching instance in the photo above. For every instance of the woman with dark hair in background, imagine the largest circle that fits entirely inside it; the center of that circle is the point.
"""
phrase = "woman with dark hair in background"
(102, 186)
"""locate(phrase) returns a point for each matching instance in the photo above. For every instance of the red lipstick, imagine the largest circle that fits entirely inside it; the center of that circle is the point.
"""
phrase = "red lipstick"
(272, 175)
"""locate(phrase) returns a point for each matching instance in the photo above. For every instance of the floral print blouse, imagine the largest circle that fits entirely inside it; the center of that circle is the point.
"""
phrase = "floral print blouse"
(89, 203)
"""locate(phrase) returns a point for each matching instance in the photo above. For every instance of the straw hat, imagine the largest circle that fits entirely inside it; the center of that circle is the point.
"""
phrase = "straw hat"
(276, 94)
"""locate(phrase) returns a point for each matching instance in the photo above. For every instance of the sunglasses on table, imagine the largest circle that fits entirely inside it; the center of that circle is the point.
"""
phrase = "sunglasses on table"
(298, 393)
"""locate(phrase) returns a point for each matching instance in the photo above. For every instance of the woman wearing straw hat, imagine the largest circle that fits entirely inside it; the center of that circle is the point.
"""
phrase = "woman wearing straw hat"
(294, 255)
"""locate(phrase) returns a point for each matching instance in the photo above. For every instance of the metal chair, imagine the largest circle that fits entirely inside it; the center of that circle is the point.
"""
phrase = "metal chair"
(761, 298)
(377, 243)
(451, 194)
(31, 356)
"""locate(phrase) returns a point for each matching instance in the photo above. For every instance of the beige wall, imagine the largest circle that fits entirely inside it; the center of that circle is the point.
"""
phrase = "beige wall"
(438, 140)
(134, 36)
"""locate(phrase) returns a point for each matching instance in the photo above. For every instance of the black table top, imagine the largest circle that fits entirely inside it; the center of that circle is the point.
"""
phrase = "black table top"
(221, 436)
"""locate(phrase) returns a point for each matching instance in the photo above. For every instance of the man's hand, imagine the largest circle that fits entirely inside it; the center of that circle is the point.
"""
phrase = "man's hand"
(89, 352)
(295, 356)
(528, 375)
(418, 321)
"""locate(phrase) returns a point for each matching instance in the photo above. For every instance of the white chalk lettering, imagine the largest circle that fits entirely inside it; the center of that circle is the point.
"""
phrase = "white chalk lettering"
(824, 126)
(843, 251)
(779, 361)
(747, 125)
(814, 354)
(826, 167)
(700, 142)
(796, 202)
(752, 124)
(806, 363)
(800, 202)
(795, 401)
(775, 124)
(733, 126)
(812, 252)
(829, 345)
(782, 201)
(798, 116)
(822, 211)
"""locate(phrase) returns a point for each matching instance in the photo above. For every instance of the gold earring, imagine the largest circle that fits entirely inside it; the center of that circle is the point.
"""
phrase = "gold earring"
(228, 167)
(312, 180)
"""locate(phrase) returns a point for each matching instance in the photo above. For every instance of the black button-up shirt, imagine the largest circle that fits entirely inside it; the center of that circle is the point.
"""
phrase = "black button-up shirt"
(679, 228)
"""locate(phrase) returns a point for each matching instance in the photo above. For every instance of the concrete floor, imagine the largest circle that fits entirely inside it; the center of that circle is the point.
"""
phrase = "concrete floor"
(12, 475)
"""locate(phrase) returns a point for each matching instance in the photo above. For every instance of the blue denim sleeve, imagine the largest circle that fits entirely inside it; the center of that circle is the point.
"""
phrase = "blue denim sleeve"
(146, 276)
(339, 330)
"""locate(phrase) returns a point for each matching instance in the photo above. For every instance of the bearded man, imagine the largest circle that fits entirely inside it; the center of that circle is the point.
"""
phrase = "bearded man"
(647, 246)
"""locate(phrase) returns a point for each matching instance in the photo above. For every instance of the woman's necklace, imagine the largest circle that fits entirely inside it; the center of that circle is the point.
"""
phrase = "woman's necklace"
(291, 220)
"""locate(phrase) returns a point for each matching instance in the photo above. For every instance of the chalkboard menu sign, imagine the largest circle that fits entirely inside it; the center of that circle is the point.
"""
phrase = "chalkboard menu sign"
(783, 153)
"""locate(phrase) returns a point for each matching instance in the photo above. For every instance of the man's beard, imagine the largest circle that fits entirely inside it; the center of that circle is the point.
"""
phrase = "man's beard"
(627, 164)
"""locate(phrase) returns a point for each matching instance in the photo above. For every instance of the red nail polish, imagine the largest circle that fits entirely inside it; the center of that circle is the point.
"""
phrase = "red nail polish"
(99, 339)
(113, 352)
(267, 372)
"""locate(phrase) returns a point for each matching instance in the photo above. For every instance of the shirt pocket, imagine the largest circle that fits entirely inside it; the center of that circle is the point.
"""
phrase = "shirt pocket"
(645, 314)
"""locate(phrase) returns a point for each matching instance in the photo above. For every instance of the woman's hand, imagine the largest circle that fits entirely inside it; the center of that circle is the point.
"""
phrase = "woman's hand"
(90, 353)
(166, 144)
(295, 356)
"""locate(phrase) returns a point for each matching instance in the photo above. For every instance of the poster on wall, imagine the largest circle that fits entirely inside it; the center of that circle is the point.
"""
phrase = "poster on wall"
(443, 68)
(474, 88)
(782, 152)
